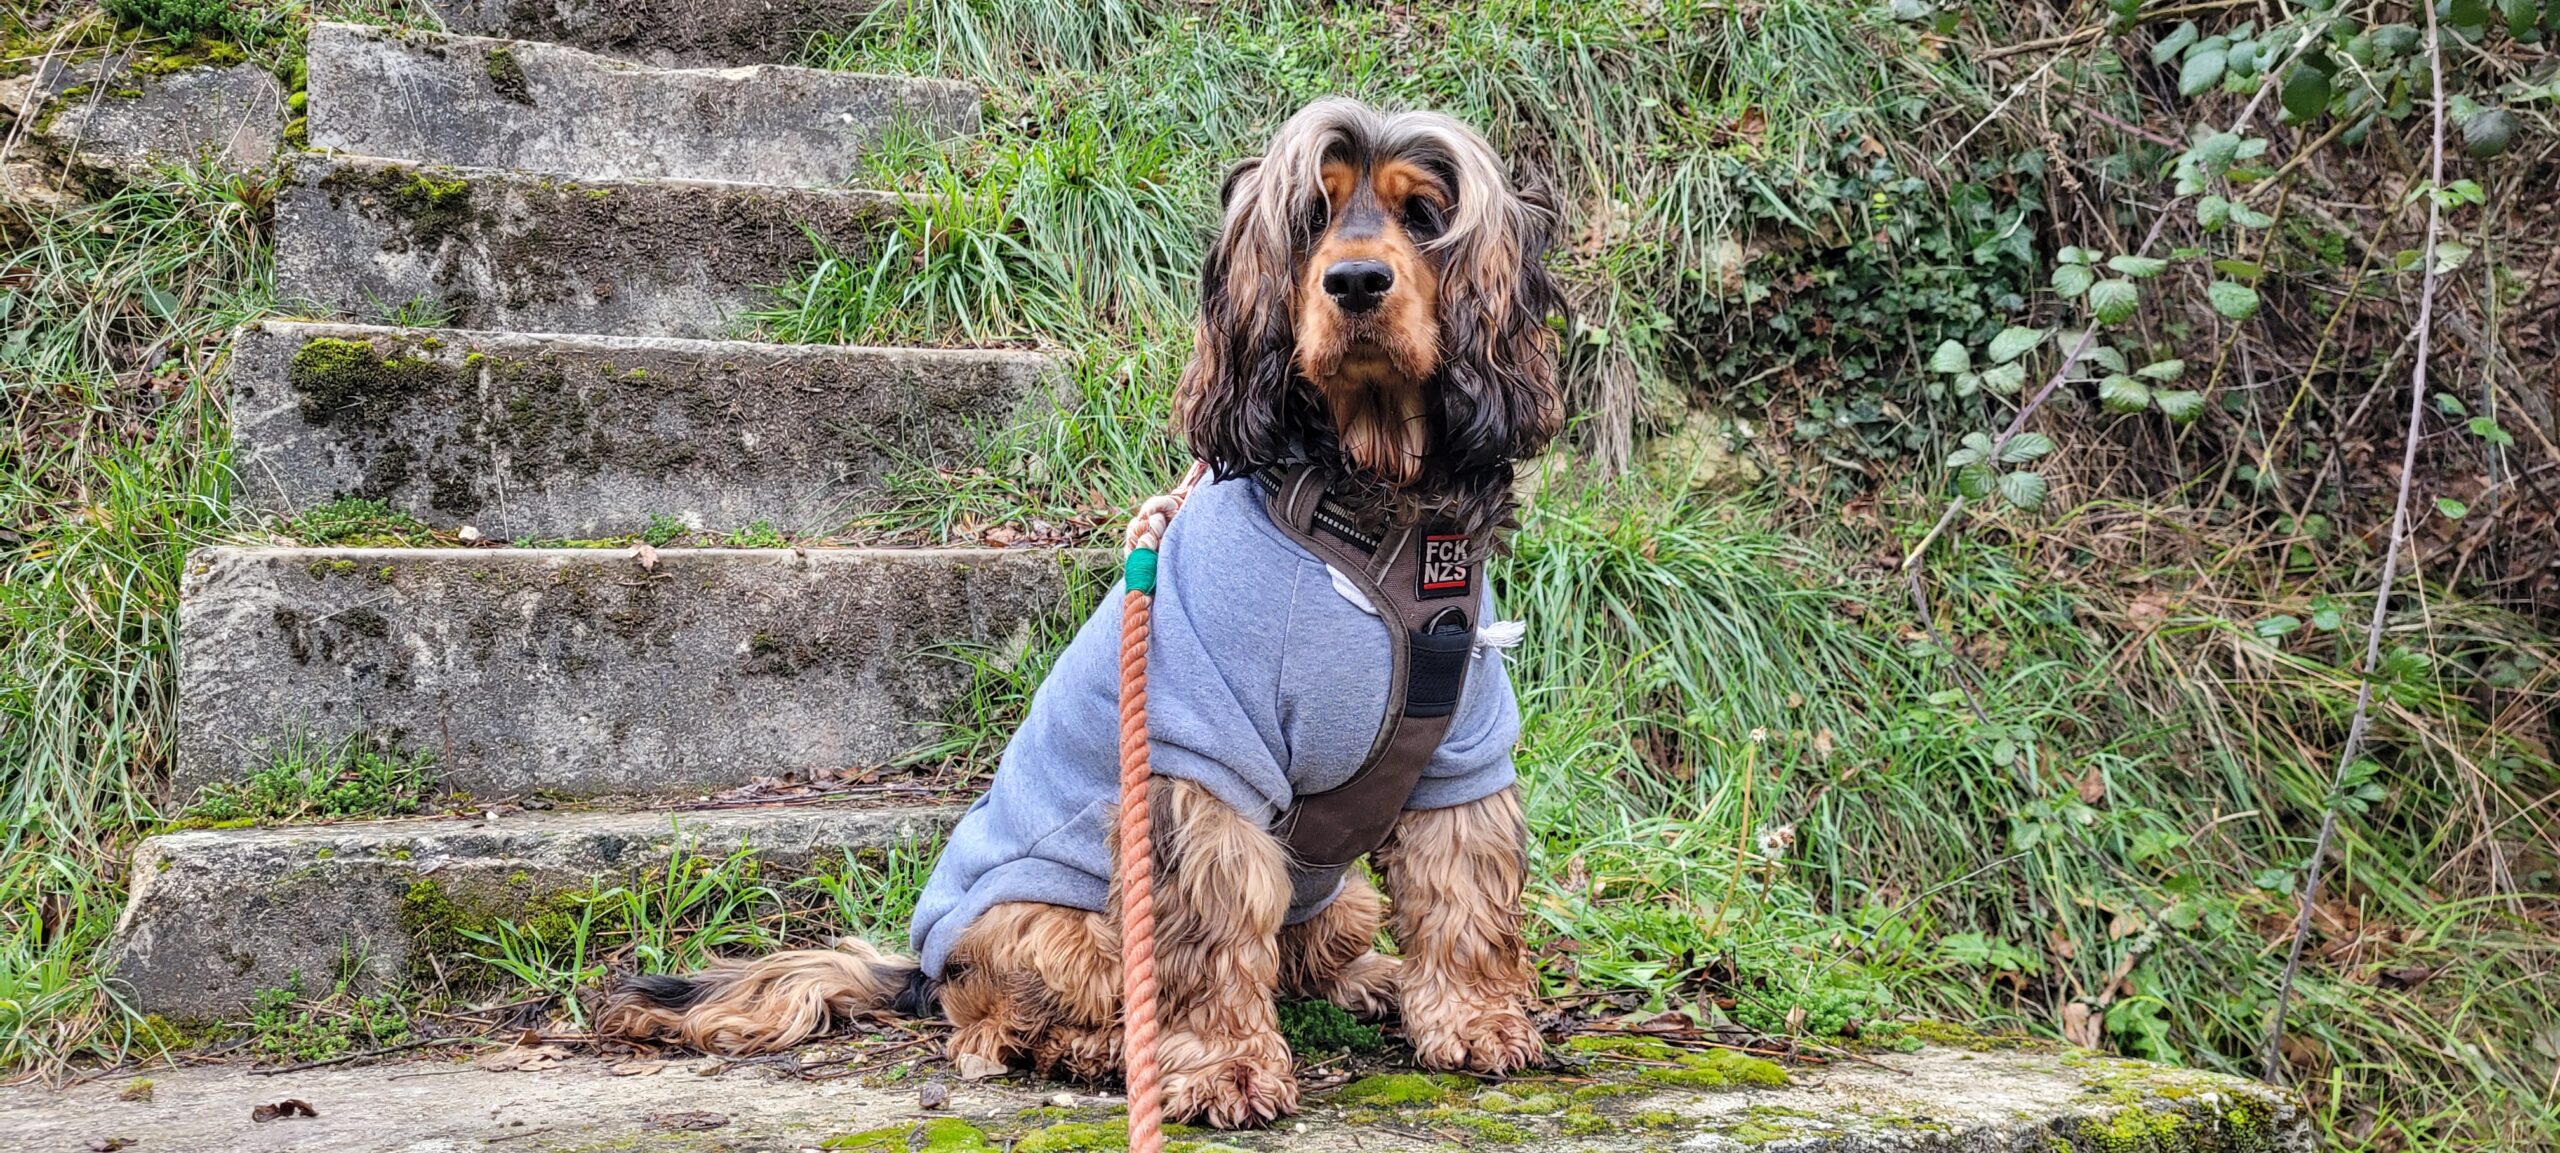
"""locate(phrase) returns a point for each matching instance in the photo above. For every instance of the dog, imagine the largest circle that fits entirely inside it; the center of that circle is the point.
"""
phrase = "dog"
(1376, 325)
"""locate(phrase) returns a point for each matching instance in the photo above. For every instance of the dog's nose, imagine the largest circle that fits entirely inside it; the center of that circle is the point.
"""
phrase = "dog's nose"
(1357, 285)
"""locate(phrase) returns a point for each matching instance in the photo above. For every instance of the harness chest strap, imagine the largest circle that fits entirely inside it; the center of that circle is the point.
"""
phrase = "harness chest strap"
(1423, 580)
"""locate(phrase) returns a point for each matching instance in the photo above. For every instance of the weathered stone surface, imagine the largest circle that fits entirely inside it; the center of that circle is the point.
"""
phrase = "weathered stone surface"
(672, 33)
(112, 116)
(474, 102)
(1938, 1100)
(217, 915)
(557, 437)
(578, 671)
(478, 248)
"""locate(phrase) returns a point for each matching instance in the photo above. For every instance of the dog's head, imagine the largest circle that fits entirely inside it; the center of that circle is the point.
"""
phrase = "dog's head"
(1376, 306)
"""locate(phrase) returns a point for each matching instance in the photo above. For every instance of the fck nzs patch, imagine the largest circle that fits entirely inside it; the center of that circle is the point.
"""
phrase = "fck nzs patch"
(1444, 567)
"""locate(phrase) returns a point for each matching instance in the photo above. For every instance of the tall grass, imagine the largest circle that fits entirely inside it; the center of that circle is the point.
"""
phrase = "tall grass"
(115, 460)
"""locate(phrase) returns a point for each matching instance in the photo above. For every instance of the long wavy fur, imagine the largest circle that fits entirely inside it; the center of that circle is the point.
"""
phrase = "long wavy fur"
(1243, 405)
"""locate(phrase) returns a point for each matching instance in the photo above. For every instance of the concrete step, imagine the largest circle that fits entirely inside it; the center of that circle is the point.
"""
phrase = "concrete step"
(480, 248)
(668, 33)
(585, 436)
(483, 103)
(1937, 1100)
(578, 672)
(110, 117)
(215, 916)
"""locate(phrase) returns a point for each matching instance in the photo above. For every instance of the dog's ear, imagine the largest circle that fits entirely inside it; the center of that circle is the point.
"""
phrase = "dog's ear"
(1237, 395)
(1499, 399)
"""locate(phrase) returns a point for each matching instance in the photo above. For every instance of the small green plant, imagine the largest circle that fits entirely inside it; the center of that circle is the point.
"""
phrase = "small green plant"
(1322, 1028)
(359, 523)
(757, 534)
(355, 778)
(420, 311)
(664, 530)
(286, 1029)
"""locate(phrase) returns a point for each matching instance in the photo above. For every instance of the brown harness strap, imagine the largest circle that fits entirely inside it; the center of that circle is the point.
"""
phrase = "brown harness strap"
(1423, 580)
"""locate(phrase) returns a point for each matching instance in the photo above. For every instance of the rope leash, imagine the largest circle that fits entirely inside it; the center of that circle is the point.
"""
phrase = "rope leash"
(1137, 834)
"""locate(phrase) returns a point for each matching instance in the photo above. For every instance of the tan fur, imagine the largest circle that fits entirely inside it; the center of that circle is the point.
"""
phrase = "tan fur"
(1454, 876)
(1222, 887)
(1332, 956)
(1371, 368)
(765, 1005)
(1023, 971)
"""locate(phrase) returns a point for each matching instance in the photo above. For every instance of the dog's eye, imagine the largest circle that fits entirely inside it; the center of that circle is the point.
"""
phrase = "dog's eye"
(1422, 219)
(1311, 223)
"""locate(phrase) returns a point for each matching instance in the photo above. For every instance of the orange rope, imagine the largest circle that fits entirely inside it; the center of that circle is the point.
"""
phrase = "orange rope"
(1137, 833)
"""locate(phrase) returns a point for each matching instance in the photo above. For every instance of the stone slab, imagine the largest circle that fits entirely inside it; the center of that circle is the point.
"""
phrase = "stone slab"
(1933, 1101)
(475, 102)
(112, 117)
(359, 238)
(578, 672)
(668, 33)
(568, 436)
(215, 916)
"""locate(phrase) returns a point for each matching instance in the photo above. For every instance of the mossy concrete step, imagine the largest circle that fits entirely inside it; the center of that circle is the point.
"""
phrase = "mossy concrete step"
(664, 32)
(484, 103)
(362, 238)
(1938, 1100)
(587, 672)
(130, 115)
(217, 915)
(587, 436)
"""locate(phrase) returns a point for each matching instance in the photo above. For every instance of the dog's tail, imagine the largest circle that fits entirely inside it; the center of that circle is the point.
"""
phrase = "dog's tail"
(742, 1008)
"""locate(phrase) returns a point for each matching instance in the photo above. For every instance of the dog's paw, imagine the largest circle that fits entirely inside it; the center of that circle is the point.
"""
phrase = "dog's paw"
(1493, 1040)
(1366, 988)
(1233, 1093)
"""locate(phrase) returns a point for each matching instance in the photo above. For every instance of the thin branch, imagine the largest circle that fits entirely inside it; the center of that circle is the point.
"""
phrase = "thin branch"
(2362, 721)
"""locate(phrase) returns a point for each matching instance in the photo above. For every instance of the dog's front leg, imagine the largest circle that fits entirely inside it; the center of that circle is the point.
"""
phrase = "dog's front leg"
(1222, 889)
(1453, 885)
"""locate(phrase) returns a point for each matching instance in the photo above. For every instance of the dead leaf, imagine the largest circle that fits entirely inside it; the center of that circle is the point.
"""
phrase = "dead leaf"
(636, 1067)
(2093, 787)
(2080, 1025)
(685, 1120)
(138, 1091)
(973, 1067)
(523, 1059)
(2409, 977)
(647, 556)
(109, 1144)
(933, 1095)
(289, 1107)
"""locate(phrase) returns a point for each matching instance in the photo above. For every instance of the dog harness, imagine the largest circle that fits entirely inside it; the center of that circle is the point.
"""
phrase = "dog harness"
(1422, 580)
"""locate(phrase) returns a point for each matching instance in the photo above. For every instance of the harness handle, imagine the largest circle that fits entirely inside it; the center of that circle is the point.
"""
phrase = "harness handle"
(1143, 541)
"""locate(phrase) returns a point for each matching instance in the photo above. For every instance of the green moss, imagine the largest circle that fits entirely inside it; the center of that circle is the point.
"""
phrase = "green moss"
(1655, 1119)
(2131, 1131)
(1396, 1090)
(1718, 1069)
(1645, 1048)
(1605, 1090)
(1317, 1028)
(346, 383)
(506, 76)
(940, 1135)
(1497, 1101)
(1583, 1122)
(1075, 1137)
(1483, 1128)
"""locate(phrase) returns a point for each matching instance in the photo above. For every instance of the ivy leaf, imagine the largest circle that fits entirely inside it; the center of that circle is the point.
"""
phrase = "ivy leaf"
(2487, 429)
(2024, 447)
(2023, 489)
(2212, 213)
(2235, 301)
(2175, 42)
(2451, 508)
(2013, 342)
(2121, 393)
(2070, 280)
(2163, 370)
(2138, 267)
(2006, 379)
(2074, 254)
(2179, 404)
(2203, 70)
(2113, 300)
(2106, 354)
(2306, 92)
(2247, 217)
(2468, 15)
(1951, 357)
(2451, 254)
(2448, 403)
